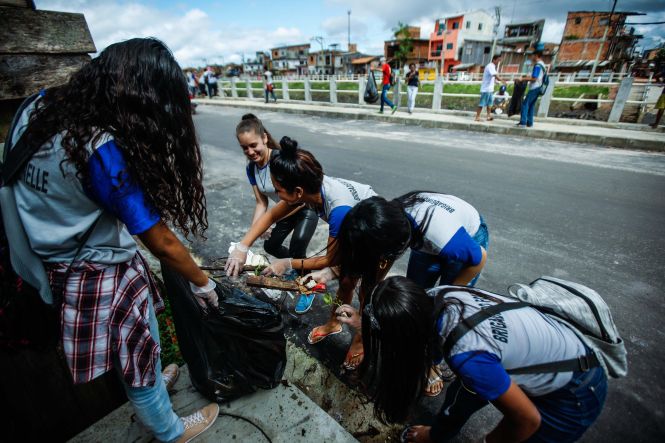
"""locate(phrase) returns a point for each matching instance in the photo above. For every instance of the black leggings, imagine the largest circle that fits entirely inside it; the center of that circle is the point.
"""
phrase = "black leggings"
(303, 224)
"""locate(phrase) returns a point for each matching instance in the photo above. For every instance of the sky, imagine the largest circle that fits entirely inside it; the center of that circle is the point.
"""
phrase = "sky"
(207, 32)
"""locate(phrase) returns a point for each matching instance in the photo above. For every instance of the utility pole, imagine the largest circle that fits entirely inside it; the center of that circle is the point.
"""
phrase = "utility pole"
(332, 56)
(497, 22)
(348, 46)
(602, 42)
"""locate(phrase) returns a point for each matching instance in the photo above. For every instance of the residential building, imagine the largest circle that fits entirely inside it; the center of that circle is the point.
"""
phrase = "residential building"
(328, 61)
(418, 53)
(583, 36)
(518, 41)
(475, 55)
(290, 59)
(354, 61)
(361, 65)
(447, 40)
(257, 65)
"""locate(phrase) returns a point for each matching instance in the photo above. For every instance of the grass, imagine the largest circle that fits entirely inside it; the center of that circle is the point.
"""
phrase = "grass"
(576, 91)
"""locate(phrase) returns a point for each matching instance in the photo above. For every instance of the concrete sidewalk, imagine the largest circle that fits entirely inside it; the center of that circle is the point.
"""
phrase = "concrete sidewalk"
(624, 136)
(285, 414)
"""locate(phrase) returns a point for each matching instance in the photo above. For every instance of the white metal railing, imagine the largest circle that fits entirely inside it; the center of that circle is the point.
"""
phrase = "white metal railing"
(301, 89)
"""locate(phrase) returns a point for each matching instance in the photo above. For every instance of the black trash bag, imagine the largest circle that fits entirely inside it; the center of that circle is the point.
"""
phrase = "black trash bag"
(371, 91)
(231, 351)
(515, 106)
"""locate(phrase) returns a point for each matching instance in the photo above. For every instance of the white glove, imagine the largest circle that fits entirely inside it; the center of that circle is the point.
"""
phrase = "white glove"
(278, 267)
(206, 292)
(236, 260)
(349, 315)
(323, 276)
(266, 235)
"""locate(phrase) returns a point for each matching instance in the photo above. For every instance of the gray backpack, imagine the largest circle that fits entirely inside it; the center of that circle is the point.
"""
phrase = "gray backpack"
(582, 310)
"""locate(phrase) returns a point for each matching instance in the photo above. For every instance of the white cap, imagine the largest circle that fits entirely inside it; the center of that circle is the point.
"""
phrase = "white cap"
(382, 59)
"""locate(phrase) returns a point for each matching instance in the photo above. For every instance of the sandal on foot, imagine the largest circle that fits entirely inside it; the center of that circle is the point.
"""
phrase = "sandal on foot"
(402, 435)
(349, 366)
(315, 337)
(430, 382)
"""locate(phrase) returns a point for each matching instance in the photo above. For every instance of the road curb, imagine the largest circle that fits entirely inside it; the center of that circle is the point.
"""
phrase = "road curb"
(626, 142)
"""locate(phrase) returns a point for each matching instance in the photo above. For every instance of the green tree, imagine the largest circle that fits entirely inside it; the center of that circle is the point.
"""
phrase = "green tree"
(404, 43)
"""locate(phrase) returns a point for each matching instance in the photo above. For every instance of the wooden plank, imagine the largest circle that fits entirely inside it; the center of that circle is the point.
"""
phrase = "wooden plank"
(22, 75)
(25, 31)
(259, 281)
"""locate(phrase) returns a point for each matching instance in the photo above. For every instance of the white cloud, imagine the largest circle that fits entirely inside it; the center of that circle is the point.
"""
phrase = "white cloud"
(110, 22)
(553, 31)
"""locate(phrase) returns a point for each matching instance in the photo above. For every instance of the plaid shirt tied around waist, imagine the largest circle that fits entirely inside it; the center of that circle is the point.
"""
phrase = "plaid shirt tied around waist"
(105, 319)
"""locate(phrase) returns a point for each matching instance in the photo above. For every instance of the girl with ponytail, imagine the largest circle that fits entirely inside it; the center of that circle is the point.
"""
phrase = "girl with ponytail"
(298, 179)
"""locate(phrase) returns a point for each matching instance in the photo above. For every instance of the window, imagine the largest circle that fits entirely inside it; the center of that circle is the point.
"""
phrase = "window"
(486, 50)
(456, 25)
(468, 51)
(449, 46)
(468, 25)
(480, 26)
(604, 21)
(578, 20)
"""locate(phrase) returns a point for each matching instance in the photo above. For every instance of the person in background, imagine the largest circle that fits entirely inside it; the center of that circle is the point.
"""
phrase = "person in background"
(412, 82)
(203, 91)
(191, 83)
(660, 104)
(212, 83)
(487, 87)
(404, 330)
(386, 71)
(535, 82)
(259, 147)
(118, 158)
(268, 85)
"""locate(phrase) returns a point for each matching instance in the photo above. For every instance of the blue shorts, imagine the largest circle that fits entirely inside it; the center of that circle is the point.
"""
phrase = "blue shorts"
(486, 99)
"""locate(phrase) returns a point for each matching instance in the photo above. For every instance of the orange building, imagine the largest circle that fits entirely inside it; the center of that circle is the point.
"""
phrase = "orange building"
(447, 40)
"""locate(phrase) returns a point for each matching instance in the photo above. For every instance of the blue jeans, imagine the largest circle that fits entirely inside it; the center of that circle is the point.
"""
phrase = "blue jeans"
(384, 97)
(271, 93)
(425, 269)
(529, 107)
(565, 414)
(152, 404)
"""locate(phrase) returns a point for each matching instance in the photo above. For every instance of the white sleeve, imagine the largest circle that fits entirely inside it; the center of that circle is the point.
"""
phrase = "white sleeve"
(492, 69)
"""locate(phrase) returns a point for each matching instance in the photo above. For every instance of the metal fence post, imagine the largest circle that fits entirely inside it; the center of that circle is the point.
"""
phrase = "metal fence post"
(234, 88)
(285, 89)
(248, 86)
(308, 90)
(396, 91)
(362, 84)
(436, 96)
(545, 100)
(333, 90)
(620, 101)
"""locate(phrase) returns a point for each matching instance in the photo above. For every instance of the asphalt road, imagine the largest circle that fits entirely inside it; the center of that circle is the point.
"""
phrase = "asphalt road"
(581, 212)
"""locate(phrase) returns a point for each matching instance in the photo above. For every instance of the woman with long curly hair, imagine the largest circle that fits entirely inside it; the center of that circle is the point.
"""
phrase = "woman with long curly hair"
(117, 156)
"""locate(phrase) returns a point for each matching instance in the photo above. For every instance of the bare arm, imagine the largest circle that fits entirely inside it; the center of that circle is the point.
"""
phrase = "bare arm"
(520, 420)
(265, 221)
(318, 262)
(261, 204)
(164, 245)
(469, 273)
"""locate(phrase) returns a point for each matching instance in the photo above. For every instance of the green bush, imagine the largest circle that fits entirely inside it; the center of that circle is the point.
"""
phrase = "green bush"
(168, 339)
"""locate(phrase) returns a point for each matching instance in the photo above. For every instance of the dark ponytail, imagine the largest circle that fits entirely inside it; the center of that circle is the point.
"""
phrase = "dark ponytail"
(251, 123)
(294, 167)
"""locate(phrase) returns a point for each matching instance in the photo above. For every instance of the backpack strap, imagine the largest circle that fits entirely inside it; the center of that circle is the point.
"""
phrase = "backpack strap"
(18, 154)
(582, 363)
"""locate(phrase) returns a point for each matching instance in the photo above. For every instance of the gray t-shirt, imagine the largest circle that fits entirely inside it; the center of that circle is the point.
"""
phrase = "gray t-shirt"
(56, 211)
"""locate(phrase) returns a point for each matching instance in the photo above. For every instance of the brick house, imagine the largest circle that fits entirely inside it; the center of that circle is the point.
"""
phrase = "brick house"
(290, 59)
(418, 54)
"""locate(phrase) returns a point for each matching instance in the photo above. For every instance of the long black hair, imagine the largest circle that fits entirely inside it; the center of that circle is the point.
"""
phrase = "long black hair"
(397, 330)
(136, 92)
(251, 123)
(294, 167)
(377, 230)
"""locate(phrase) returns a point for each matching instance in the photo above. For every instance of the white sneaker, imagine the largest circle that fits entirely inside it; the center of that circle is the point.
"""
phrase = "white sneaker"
(198, 422)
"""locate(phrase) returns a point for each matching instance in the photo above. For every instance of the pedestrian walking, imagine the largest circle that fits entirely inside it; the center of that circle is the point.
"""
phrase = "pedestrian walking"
(268, 85)
(192, 83)
(405, 329)
(203, 90)
(386, 84)
(487, 87)
(90, 202)
(211, 76)
(259, 147)
(535, 83)
(412, 83)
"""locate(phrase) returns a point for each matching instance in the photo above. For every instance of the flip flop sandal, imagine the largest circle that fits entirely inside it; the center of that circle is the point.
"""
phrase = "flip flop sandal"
(349, 366)
(402, 435)
(313, 338)
(430, 382)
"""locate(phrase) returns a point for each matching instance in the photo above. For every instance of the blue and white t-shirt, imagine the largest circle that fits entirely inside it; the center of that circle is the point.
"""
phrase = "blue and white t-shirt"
(509, 340)
(260, 177)
(56, 209)
(539, 74)
(339, 196)
(453, 224)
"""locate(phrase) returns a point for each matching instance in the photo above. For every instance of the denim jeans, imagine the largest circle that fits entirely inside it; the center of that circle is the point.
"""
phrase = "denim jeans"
(152, 404)
(425, 269)
(529, 107)
(271, 93)
(565, 413)
(384, 97)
